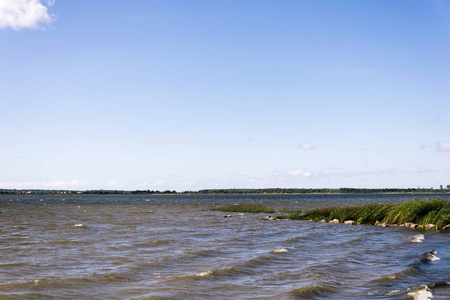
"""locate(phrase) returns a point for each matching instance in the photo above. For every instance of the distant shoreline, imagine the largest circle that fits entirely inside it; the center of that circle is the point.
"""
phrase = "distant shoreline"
(267, 191)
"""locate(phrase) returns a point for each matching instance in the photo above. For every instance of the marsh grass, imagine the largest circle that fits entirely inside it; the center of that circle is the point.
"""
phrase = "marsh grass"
(419, 211)
(246, 208)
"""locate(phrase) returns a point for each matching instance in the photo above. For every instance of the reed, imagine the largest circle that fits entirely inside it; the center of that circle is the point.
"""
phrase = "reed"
(246, 208)
(419, 211)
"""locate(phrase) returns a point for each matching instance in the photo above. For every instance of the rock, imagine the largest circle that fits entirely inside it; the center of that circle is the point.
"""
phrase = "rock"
(350, 222)
(377, 223)
(430, 226)
(323, 221)
(334, 221)
(446, 227)
(419, 227)
(410, 225)
(227, 216)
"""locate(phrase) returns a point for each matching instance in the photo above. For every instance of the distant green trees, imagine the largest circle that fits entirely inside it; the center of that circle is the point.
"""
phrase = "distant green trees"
(238, 191)
(319, 191)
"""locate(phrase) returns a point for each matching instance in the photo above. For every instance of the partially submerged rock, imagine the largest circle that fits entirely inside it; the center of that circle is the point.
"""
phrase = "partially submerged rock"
(410, 225)
(430, 226)
(350, 222)
(336, 221)
(377, 223)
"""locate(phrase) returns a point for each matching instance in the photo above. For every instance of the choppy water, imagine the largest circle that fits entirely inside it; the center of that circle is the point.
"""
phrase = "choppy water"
(175, 247)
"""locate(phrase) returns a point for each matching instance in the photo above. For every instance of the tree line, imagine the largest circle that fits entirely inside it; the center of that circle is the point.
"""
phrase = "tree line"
(236, 191)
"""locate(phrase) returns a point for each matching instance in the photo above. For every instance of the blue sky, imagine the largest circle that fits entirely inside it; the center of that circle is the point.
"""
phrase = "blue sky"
(187, 95)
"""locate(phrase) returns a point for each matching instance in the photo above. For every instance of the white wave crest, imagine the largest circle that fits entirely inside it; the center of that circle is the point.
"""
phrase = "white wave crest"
(282, 250)
(78, 225)
(423, 293)
(206, 273)
(418, 238)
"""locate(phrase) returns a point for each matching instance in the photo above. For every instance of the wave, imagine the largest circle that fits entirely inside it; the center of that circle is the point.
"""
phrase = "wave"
(62, 242)
(281, 250)
(310, 292)
(418, 238)
(421, 292)
(243, 268)
(228, 271)
(80, 225)
(151, 243)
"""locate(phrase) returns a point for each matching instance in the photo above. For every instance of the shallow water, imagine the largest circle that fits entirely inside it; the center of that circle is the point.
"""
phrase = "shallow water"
(175, 247)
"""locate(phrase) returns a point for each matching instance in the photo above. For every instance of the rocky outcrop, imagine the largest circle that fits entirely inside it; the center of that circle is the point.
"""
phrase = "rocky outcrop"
(379, 224)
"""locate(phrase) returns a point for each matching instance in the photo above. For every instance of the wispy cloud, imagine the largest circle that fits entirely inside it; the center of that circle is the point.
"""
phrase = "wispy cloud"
(443, 146)
(306, 146)
(49, 185)
(300, 173)
(17, 14)
(160, 182)
(419, 170)
(62, 185)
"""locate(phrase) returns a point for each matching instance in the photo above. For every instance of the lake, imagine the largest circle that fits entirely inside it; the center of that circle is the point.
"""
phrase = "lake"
(176, 247)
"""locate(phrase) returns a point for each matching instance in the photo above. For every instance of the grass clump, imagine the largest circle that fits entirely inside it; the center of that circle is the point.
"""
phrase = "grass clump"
(419, 211)
(246, 208)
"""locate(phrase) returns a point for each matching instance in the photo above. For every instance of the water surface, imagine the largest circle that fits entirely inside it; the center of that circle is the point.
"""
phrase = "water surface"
(175, 247)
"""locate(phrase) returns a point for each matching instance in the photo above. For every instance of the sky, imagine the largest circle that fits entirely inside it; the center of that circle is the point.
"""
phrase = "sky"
(189, 95)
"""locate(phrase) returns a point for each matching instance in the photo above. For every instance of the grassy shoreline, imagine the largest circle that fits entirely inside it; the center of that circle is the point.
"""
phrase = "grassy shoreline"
(417, 211)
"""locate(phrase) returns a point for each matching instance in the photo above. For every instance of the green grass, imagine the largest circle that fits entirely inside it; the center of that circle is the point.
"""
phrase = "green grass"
(246, 208)
(419, 211)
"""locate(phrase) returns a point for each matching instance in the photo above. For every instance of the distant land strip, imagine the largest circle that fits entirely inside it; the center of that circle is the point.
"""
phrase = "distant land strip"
(238, 191)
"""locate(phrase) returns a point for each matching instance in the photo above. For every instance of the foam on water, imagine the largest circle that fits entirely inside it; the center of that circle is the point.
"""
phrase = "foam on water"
(282, 250)
(418, 238)
(423, 293)
(206, 273)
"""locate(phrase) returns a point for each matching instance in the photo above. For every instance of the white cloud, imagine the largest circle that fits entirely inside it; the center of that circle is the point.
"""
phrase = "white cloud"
(114, 184)
(189, 183)
(443, 146)
(160, 182)
(419, 170)
(306, 146)
(49, 185)
(19, 14)
(299, 172)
